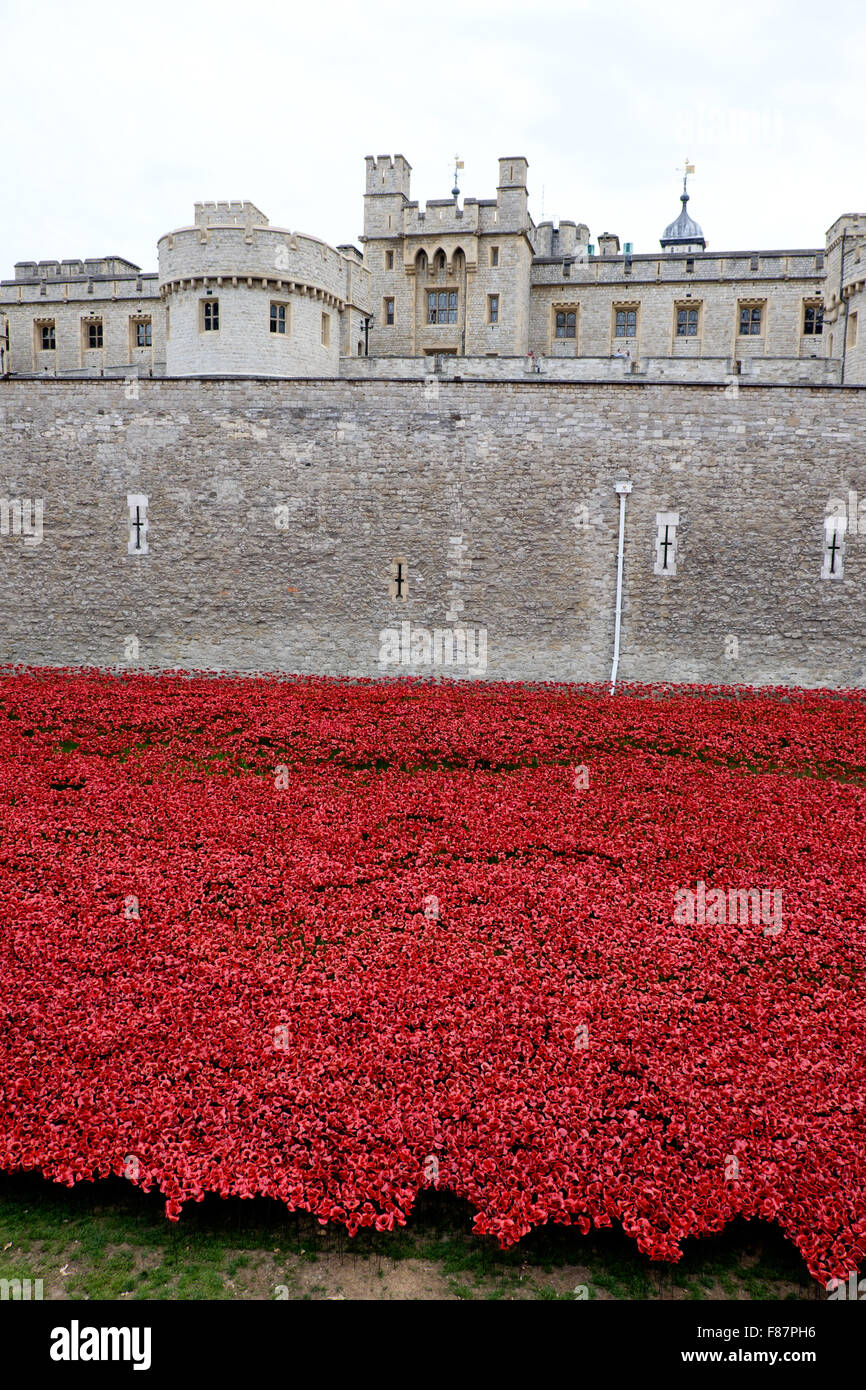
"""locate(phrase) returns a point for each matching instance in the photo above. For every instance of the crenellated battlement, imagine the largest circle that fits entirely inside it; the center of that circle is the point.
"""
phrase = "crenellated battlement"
(231, 214)
(388, 175)
(75, 269)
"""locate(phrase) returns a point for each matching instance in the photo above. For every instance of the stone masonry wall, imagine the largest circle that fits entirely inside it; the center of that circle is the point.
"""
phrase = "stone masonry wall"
(279, 510)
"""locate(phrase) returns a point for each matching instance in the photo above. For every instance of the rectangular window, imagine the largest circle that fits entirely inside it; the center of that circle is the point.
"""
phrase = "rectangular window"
(750, 320)
(442, 306)
(389, 312)
(389, 260)
(687, 322)
(626, 323)
(690, 265)
(210, 318)
(326, 330)
(143, 333)
(93, 333)
(813, 319)
(493, 308)
(279, 318)
(852, 330)
(566, 323)
(47, 337)
(753, 263)
(494, 256)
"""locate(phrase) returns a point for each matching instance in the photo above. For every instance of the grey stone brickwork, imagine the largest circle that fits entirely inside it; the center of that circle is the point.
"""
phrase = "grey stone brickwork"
(280, 511)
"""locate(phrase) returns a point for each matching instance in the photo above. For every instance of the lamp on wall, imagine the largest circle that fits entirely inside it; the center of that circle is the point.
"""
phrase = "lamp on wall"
(366, 322)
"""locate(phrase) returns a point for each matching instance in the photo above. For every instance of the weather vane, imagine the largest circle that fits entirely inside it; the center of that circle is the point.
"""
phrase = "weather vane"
(688, 169)
(458, 165)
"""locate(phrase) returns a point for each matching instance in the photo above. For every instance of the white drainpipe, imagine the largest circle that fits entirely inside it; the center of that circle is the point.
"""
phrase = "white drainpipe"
(623, 489)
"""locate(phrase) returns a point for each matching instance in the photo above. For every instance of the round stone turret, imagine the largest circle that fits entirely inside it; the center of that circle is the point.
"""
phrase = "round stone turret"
(243, 297)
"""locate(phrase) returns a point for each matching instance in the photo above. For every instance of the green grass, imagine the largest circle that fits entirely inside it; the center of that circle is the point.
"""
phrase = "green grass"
(106, 1240)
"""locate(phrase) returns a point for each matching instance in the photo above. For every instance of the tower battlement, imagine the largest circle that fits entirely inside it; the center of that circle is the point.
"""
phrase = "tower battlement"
(233, 214)
(388, 175)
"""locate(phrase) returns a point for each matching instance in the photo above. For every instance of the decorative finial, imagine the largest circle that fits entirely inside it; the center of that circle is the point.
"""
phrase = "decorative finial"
(688, 169)
(458, 164)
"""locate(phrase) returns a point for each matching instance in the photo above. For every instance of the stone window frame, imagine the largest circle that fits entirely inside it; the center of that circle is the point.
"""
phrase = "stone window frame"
(815, 331)
(40, 328)
(326, 329)
(665, 565)
(389, 260)
(398, 579)
(92, 324)
(137, 321)
(213, 305)
(563, 307)
(389, 311)
(680, 305)
(274, 318)
(494, 303)
(494, 258)
(851, 327)
(625, 306)
(752, 304)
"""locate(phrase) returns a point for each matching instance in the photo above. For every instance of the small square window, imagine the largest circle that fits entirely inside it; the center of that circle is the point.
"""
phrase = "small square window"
(326, 330)
(143, 333)
(493, 308)
(750, 321)
(279, 318)
(566, 323)
(626, 323)
(93, 333)
(494, 256)
(813, 319)
(47, 338)
(687, 322)
(210, 315)
(389, 312)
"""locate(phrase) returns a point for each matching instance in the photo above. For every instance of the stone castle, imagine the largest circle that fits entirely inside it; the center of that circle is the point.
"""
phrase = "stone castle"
(475, 448)
(476, 281)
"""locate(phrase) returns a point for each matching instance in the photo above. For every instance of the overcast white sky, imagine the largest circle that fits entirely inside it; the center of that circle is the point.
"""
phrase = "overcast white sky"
(117, 118)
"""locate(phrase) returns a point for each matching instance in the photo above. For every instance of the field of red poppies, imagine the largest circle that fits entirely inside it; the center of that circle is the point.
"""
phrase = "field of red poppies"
(333, 942)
